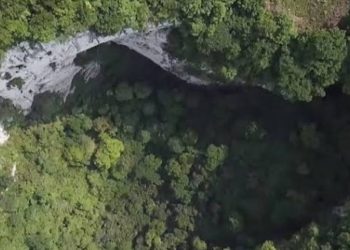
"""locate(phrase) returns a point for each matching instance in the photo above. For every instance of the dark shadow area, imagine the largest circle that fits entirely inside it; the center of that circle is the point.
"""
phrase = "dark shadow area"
(287, 163)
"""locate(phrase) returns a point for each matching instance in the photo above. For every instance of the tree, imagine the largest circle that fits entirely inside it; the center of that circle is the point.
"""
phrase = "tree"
(108, 151)
(292, 80)
(65, 13)
(154, 233)
(176, 145)
(144, 136)
(87, 13)
(179, 182)
(101, 124)
(109, 20)
(268, 245)
(79, 151)
(322, 54)
(78, 124)
(309, 137)
(216, 156)
(199, 244)
(124, 92)
(43, 26)
(117, 14)
(148, 169)
(142, 90)
(259, 57)
(313, 65)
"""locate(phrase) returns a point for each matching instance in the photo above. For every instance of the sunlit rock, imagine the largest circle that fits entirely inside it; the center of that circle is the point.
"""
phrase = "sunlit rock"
(91, 70)
(4, 136)
(28, 70)
(47, 67)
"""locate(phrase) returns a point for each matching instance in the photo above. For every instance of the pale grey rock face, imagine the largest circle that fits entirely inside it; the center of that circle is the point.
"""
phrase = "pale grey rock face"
(152, 45)
(91, 71)
(44, 67)
(49, 67)
(4, 136)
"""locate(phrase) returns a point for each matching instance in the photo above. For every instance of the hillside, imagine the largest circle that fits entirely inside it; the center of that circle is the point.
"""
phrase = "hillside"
(309, 14)
(131, 156)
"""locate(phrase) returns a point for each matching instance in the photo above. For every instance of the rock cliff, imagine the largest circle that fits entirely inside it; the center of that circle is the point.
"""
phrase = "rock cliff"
(30, 69)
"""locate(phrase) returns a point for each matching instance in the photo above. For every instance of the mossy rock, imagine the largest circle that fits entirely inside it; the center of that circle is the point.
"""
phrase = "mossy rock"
(15, 82)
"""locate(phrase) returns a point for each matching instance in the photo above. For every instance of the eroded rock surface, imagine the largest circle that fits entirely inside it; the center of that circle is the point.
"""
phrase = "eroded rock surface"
(31, 69)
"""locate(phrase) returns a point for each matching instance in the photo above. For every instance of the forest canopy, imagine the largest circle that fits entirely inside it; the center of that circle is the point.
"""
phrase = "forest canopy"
(238, 41)
(134, 168)
(153, 165)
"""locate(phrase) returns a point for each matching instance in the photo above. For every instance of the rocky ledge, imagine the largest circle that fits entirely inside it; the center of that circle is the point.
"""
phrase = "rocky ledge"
(30, 69)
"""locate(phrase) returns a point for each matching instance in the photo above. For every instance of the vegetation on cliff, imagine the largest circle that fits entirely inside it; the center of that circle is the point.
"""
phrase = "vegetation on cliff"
(237, 40)
(243, 41)
(139, 165)
(134, 168)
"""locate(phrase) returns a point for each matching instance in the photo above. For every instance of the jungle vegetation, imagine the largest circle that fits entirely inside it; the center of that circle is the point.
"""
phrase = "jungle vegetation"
(133, 167)
(149, 165)
(254, 42)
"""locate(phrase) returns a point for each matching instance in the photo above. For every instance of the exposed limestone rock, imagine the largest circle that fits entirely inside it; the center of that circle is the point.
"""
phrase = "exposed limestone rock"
(91, 71)
(47, 67)
(3, 135)
(31, 69)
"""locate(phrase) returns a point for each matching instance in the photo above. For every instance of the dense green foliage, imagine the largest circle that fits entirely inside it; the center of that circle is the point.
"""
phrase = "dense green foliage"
(44, 20)
(142, 166)
(236, 40)
(134, 168)
(242, 41)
